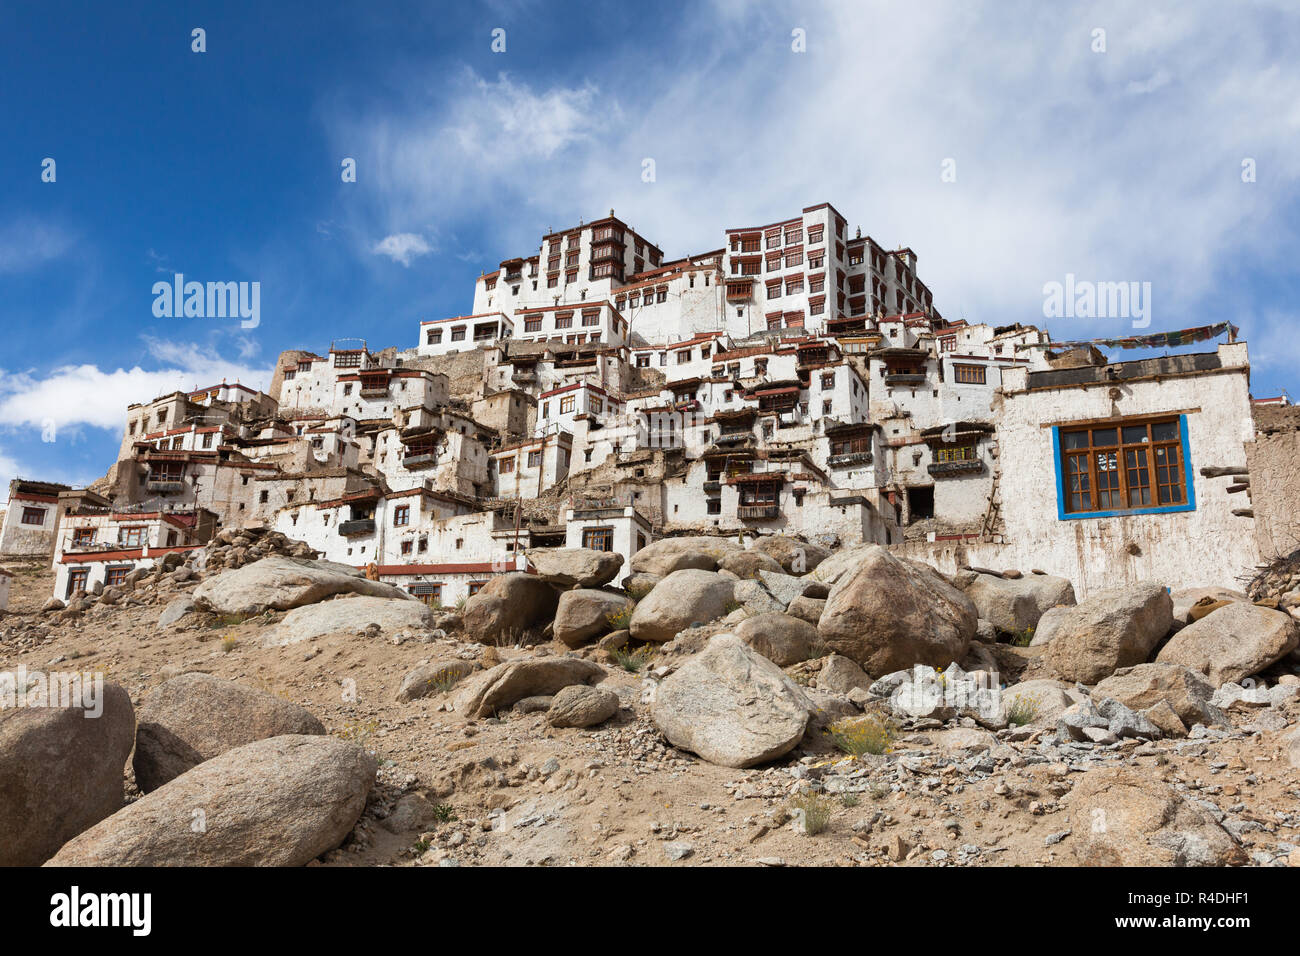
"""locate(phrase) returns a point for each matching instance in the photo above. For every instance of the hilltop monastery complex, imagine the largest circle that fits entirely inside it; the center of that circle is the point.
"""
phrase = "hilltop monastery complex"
(797, 380)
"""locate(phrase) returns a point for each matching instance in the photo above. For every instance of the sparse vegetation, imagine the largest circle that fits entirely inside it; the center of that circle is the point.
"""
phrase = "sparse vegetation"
(849, 800)
(229, 643)
(631, 659)
(444, 812)
(620, 619)
(1023, 638)
(444, 679)
(812, 811)
(1023, 710)
(868, 734)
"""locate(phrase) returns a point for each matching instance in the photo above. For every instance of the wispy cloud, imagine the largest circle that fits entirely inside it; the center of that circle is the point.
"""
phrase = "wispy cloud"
(27, 243)
(402, 247)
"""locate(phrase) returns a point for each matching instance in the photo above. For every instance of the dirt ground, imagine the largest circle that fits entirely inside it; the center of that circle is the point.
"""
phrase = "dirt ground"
(515, 791)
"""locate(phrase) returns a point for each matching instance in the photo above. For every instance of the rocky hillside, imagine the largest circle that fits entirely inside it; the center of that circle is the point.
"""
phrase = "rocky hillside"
(776, 705)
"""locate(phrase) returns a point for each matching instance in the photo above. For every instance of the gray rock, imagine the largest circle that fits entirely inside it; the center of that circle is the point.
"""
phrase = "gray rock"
(282, 801)
(1014, 605)
(1233, 642)
(887, 614)
(438, 677)
(503, 685)
(575, 567)
(582, 706)
(681, 599)
(1111, 629)
(782, 639)
(60, 772)
(585, 614)
(731, 706)
(195, 717)
(281, 583)
(701, 552)
(347, 616)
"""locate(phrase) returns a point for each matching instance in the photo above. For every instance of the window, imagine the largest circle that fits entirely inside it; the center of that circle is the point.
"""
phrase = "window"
(507, 466)
(858, 445)
(34, 516)
(566, 404)
(77, 579)
(401, 516)
(207, 439)
(430, 594)
(433, 336)
(263, 497)
(713, 506)
(948, 453)
(533, 323)
(591, 318)
(406, 547)
(83, 537)
(814, 235)
(828, 379)
(458, 334)
(130, 537)
(564, 320)
(116, 576)
(968, 374)
(534, 459)
(598, 539)
(475, 587)
(423, 545)
(1124, 467)
(948, 343)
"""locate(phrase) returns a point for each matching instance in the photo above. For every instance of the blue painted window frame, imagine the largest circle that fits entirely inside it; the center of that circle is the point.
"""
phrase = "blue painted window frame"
(1063, 515)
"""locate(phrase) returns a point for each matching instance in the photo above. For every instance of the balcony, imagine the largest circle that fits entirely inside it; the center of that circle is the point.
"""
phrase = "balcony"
(357, 526)
(374, 391)
(420, 460)
(165, 486)
(713, 487)
(904, 378)
(850, 459)
(946, 469)
(758, 512)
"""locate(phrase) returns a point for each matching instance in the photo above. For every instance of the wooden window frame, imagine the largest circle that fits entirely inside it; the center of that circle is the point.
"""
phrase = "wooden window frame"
(1124, 476)
(401, 516)
(969, 374)
(598, 539)
(37, 513)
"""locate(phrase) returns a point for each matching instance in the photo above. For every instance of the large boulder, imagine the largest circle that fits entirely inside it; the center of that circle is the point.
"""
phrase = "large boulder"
(347, 616)
(1124, 817)
(663, 557)
(1190, 604)
(833, 568)
(731, 706)
(1115, 628)
(575, 567)
(683, 598)
(280, 583)
(839, 675)
(782, 639)
(1039, 702)
(432, 678)
(747, 564)
(581, 706)
(282, 801)
(585, 614)
(195, 717)
(807, 609)
(1014, 605)
(1233, 642)
(888, 614)
(794, 556)
(504, 685)
(60, 771)
(1144, 686)
(509, 605)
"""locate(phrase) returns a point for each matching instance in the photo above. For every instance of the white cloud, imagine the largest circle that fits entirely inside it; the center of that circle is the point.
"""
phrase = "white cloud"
(26, 244)
(402, 247)
(76, 396)
(1060, 167)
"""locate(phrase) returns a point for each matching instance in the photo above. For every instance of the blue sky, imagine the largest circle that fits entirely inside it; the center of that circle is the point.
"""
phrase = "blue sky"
(1122, 164)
